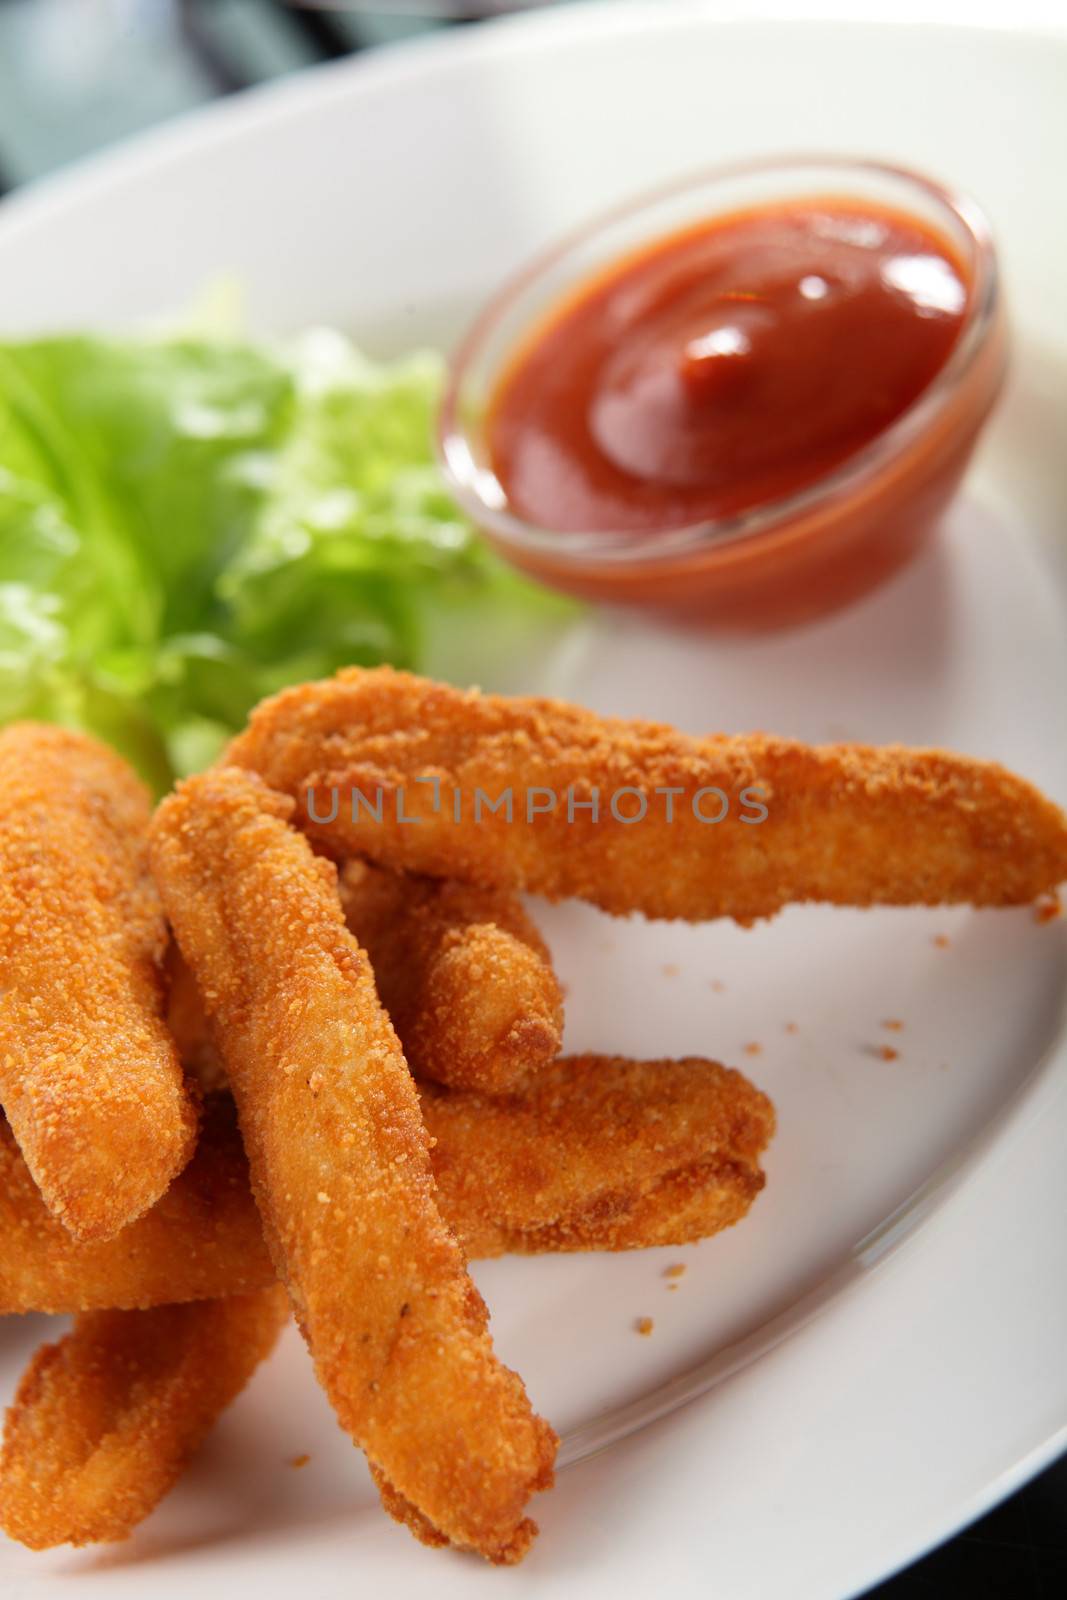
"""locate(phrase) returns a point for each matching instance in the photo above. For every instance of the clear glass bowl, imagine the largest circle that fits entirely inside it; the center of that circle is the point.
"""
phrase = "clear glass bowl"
(789, 558)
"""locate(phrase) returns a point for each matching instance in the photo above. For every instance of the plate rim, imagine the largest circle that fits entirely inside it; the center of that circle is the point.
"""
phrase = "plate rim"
(237, 113)
(376, 72)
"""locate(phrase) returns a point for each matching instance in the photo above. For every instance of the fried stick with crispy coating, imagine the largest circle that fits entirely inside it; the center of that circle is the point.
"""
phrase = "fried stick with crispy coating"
(188, 1022)
(463, 973)
(201, 1240)
(340, 1166)
(89, 1075)
(104, 1421)
(600, 1154)
(848, 824)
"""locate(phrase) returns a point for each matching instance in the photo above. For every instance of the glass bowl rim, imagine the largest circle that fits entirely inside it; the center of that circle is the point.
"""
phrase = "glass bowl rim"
(467, 481)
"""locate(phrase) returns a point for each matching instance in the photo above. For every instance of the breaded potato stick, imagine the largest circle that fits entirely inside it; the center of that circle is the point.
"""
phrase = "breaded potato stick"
(90, 1078)
(848, 824)
(188, 1022)
(340, 1166)
(601, 1155)
(104, 1421)
(463, 973)
(202, 1239)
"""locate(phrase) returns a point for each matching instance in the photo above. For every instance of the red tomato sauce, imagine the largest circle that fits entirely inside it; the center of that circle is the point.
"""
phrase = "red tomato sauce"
(724, 367)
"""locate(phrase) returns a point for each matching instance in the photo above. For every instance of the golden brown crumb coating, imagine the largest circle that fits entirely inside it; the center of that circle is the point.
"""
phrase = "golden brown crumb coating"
(604, 1155)
(463, 973)
(848, 824)
(340, 1165)
(599, 1153)
(188, 1022)
(89, 1075)
(403, 1511)
(202, 1239)
(104, 1421)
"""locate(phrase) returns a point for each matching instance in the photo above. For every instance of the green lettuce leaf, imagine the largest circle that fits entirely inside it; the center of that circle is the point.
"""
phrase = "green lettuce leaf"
(188, 524)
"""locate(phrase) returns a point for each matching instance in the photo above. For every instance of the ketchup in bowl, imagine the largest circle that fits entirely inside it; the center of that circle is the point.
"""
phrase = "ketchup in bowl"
(754, 415)
(726, 366)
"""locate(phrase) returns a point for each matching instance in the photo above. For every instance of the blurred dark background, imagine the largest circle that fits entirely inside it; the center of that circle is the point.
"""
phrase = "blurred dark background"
(77, 75)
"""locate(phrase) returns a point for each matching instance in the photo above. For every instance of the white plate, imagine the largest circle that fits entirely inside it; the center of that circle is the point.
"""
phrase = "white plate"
(918, 1204)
